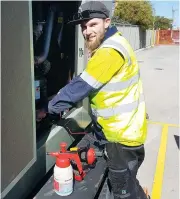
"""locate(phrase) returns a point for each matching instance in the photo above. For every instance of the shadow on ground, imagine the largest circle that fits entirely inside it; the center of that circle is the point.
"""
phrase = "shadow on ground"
(177, 140)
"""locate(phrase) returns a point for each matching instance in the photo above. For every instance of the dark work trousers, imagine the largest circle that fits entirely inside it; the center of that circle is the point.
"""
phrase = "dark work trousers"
(123, 163)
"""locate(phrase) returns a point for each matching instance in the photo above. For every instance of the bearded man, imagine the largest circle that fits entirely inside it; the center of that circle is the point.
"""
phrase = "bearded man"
(112, 82)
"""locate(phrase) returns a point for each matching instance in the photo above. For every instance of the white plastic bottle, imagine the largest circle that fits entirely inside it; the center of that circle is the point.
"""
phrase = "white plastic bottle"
(63, 177)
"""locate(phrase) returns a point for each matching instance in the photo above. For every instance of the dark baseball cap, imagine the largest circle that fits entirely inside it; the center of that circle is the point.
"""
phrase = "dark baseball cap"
(90, 10)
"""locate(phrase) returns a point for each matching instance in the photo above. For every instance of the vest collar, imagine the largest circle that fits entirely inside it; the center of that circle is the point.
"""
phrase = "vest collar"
(110, 32)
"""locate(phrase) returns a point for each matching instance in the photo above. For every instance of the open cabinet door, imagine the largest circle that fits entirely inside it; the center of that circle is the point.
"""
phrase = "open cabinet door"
(18, 109)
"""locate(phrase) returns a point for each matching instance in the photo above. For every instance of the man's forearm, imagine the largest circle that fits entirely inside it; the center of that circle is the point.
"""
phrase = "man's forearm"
(72, 93)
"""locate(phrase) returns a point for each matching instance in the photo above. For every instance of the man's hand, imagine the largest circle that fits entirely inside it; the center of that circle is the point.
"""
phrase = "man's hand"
(40, 114)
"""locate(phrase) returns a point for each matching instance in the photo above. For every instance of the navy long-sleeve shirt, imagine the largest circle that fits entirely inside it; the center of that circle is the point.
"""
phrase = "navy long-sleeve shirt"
(72, 93)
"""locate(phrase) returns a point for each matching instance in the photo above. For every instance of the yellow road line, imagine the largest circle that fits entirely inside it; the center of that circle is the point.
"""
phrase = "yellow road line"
(162, 124)
(158, 177)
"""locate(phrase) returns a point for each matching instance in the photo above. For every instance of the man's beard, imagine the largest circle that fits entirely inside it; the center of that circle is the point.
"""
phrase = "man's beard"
(92, 45)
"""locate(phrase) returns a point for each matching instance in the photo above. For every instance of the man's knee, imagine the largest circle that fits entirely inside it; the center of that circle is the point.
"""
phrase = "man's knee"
(121, 183)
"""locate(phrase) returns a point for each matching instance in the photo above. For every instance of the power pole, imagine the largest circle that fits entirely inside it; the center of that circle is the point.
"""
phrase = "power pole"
(154, 15)
(173, 11)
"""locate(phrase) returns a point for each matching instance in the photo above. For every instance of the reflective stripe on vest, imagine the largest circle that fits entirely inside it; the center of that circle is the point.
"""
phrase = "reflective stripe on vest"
(113, 111)
(91, 80)
(111, 86)
(118, 86)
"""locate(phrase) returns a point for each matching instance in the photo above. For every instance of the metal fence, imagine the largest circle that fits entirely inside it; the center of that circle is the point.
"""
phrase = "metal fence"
(137, 37)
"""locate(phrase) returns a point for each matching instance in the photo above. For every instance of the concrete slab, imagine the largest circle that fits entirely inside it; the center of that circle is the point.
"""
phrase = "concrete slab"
(171, 173)
(160, 75)
(148, 168)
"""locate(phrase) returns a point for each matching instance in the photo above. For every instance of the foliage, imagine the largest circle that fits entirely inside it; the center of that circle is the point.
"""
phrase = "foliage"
(162, 23)
(135, 12)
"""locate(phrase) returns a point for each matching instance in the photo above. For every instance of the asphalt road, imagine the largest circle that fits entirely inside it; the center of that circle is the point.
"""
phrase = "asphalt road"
(160, 75)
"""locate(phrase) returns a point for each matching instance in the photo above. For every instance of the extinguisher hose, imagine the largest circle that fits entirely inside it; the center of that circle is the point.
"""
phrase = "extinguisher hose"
(75, 133)
(81, 133)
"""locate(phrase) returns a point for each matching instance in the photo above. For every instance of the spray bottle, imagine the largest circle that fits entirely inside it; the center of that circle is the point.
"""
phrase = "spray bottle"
(63, 173)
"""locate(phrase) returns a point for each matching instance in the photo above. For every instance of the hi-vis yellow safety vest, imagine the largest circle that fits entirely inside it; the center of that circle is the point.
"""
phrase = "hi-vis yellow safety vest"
(123, 118)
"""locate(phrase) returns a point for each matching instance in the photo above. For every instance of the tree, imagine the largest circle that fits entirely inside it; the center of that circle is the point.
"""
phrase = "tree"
(162, 23)
(135, 12)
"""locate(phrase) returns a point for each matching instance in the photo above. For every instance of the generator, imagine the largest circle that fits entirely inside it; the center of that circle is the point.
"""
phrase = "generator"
(54, 46)
(41, 53)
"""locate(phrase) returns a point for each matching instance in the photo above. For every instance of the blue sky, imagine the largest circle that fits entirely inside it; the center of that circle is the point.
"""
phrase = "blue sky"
(164, 8)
